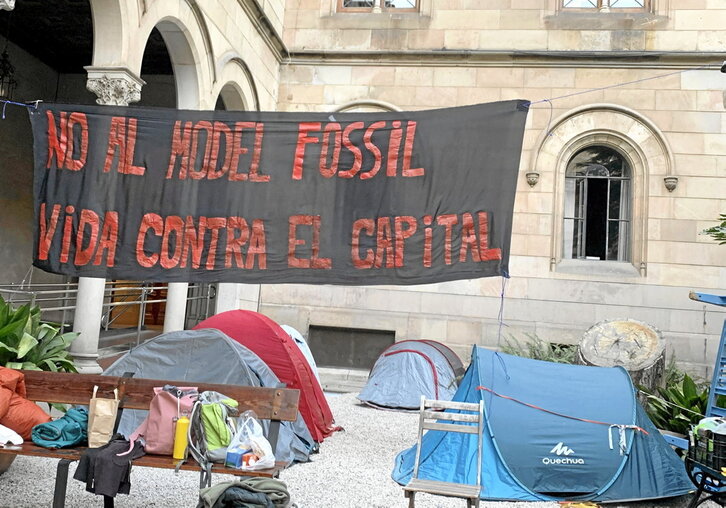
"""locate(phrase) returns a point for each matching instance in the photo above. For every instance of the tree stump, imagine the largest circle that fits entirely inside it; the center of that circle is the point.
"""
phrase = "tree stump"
(637, 347)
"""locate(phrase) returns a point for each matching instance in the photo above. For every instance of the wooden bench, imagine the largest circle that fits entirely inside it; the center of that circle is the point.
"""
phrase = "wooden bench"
(274, 404)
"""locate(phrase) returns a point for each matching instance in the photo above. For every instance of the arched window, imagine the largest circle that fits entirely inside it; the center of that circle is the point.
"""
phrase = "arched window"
(597, 211)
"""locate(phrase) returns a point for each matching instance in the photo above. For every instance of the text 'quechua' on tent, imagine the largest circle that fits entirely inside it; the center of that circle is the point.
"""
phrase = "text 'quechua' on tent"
(208, 356)
(409, 369)
(277, 349)
(553, 431)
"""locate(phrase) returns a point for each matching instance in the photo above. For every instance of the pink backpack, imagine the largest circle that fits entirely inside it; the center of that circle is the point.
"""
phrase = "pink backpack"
(167, 406)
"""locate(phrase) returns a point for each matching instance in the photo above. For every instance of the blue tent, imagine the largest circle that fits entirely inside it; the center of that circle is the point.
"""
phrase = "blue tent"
(552, 433)
(411, 368)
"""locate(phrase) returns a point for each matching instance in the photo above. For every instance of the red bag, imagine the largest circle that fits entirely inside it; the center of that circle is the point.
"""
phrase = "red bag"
(167, 406)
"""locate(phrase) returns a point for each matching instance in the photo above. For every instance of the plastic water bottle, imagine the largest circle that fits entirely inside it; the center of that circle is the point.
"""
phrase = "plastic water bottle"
(180, 437)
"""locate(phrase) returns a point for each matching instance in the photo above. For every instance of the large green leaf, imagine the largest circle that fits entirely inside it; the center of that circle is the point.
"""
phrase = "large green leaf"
(27, 343)
(689, 387)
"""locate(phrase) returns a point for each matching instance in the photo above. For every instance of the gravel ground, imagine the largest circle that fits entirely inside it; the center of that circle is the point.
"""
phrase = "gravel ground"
(352, 470)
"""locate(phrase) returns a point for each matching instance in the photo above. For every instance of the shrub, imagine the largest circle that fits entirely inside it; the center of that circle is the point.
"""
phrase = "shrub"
(539, 349)
(28, 343)
(677, 406)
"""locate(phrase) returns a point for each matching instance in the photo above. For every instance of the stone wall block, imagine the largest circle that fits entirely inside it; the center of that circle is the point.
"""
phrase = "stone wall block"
(700, 19)
(695, 209)
(476, 95)
(422, 327)
(464, 332)
(637, 99)
(506, 39)
(686, 348)
(684, 100)
(670, 40)
(414, 76)
(521, 19)
(332, 75)
(454, 76)
(466, 19)
(427, 39)
(512, 77)
(379, 76)
(546, 78)
(460, 39)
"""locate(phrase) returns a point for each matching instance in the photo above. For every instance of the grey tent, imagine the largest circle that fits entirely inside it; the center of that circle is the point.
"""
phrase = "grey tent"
(208, 356)
(411, 368)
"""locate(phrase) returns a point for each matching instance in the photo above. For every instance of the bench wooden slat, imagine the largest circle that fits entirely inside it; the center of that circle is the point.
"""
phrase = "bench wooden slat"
(28, 448)
(456, 417)
(443, 488)
(451, 404)
(157, 461)
(69, 388)
(450, 427)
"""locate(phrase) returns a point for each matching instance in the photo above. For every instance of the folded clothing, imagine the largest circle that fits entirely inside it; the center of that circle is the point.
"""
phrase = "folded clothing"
(69, 430)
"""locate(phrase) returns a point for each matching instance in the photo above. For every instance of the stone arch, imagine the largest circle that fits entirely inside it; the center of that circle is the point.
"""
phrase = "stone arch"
(367, 105)
(630, 133)
(188, 43)
(236, 84)
(114, 20)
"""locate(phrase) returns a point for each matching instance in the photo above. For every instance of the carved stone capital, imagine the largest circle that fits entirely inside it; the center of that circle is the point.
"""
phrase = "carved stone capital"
(115, 86)
(7, 5)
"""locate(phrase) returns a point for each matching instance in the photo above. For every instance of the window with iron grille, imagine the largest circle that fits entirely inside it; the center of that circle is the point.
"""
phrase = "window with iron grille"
(597, 205)
(613, 5)
(378, 5)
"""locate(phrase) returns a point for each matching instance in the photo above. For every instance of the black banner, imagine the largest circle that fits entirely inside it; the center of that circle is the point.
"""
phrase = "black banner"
(342, 198)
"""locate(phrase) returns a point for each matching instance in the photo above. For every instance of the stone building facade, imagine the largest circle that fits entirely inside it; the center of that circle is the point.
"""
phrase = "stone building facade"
(629, 90)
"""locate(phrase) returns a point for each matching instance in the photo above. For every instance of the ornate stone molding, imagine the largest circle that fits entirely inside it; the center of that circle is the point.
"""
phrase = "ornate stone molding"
(114, 86)
(7, 5)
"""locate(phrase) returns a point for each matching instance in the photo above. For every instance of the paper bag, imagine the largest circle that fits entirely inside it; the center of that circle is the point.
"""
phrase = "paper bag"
(101, 419)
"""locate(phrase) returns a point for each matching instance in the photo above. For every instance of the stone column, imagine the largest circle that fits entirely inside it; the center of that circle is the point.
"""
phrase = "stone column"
(119, 87)
(231, 296)
(175, 312)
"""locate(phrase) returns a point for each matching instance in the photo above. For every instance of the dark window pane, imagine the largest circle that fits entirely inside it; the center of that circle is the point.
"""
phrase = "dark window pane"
(357, 3)
(597, 201)
(617, 240)
(595, 222)
(598, 161)
(614, 200)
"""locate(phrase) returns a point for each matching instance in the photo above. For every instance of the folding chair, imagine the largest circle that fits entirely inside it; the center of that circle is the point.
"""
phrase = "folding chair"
(470, 420)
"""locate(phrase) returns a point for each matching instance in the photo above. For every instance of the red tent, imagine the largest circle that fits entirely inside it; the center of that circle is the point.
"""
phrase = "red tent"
(274, 346)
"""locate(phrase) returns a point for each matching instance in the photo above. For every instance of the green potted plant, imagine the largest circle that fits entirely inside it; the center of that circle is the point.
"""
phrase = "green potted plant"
(27, 343)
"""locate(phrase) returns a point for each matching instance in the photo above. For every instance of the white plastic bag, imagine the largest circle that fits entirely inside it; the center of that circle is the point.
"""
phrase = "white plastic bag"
(250, 436)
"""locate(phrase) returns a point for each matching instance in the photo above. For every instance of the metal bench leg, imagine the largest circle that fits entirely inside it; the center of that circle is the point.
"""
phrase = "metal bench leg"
(61, 482)
(694, 501)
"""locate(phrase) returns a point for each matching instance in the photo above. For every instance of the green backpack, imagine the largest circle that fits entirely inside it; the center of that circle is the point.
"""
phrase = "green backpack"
(211, 428)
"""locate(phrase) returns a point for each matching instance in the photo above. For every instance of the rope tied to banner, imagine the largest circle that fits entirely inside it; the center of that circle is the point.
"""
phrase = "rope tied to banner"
(621, 427)
(28, 105)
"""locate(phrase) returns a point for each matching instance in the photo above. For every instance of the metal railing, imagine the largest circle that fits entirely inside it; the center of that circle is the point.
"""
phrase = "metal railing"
(57, 301)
